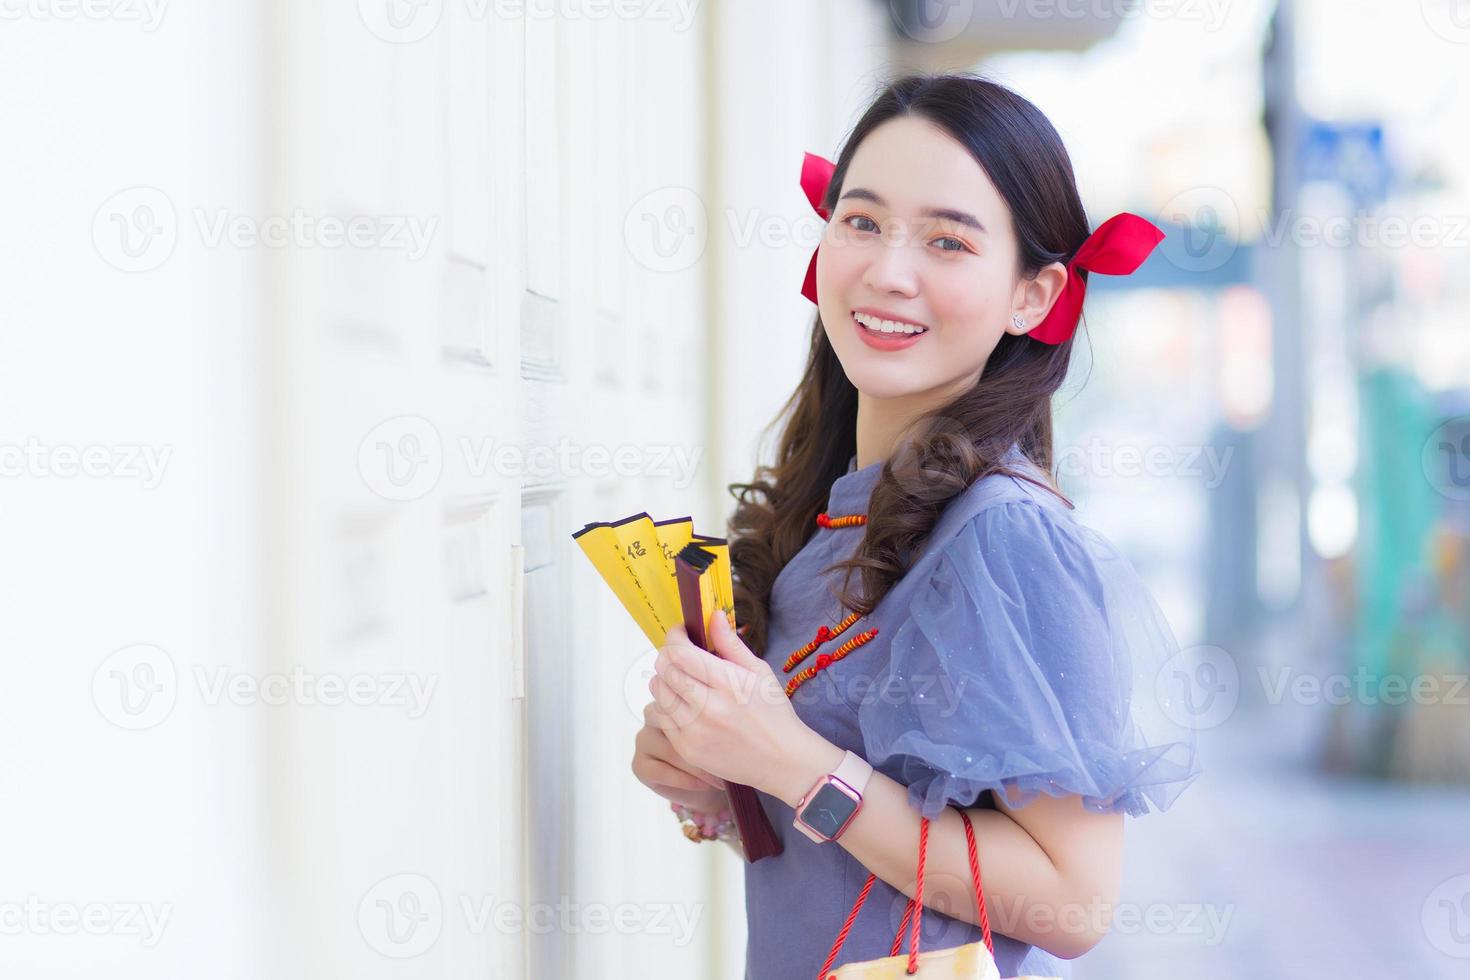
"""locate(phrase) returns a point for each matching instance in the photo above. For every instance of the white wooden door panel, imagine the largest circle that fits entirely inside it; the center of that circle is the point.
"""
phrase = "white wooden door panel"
(419, 538)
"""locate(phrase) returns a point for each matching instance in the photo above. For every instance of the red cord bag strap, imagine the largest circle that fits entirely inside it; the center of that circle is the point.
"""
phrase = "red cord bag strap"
(915, 906)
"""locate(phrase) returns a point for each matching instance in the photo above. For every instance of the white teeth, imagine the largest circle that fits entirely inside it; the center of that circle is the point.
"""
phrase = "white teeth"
(887, 326)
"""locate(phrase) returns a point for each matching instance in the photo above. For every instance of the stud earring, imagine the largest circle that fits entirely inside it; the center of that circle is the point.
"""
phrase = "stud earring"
(1018, 321)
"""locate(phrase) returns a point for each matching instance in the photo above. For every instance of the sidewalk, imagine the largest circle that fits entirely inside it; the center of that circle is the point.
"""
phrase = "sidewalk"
(1266, 869)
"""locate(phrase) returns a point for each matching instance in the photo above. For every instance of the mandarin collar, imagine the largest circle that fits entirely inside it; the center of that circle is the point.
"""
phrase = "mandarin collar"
(850, 492)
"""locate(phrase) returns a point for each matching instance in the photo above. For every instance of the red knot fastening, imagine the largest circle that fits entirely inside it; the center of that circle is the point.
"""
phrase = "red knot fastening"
(827, 659)
(824, 633)
(849, 520)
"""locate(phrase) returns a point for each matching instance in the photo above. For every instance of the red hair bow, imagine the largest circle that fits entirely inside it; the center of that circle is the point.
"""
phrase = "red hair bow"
(816, 174)
(1116, 248)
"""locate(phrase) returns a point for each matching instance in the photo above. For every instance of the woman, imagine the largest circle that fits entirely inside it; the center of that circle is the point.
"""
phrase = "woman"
(993, 654)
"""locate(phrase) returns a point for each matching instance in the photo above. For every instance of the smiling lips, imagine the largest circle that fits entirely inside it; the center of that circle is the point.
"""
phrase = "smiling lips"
(886, 334)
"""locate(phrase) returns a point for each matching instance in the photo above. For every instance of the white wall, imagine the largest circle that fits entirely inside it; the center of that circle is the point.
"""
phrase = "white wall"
(112, 803)
(789, 78)
(294, 395)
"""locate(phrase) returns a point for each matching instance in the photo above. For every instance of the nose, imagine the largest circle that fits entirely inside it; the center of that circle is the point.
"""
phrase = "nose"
(891, 268)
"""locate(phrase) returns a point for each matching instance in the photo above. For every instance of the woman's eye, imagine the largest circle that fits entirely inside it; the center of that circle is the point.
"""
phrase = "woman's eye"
(850, 221)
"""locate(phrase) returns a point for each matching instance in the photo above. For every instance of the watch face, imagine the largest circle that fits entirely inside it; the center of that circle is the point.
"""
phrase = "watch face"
(828, 810)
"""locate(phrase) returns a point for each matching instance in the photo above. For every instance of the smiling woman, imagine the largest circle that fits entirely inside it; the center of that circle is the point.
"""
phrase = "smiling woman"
(952, 209)
(1012, 649)
(928, 268)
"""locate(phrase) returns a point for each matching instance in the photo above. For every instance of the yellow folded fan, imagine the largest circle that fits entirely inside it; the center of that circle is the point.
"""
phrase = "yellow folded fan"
(666, 575)
(635, 557)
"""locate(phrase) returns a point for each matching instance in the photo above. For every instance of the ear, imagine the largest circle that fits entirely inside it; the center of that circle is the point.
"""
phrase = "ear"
(1033, 298)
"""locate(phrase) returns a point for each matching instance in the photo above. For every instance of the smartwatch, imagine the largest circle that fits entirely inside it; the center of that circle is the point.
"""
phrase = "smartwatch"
(825, 810)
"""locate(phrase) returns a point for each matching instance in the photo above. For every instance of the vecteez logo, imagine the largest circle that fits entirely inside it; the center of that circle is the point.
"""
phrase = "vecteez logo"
(136, 687)
(401, 916)
(147, 14)
(410, 21)
(136, 229)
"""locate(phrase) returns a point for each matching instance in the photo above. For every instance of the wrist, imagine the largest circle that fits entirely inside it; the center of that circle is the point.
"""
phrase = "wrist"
(813, 759)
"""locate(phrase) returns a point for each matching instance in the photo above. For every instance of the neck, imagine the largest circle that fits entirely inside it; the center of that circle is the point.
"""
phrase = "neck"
(879, 425)
(883, 423)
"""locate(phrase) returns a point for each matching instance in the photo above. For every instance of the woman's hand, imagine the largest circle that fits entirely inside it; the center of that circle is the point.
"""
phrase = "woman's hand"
(664, 771)
(727, 715)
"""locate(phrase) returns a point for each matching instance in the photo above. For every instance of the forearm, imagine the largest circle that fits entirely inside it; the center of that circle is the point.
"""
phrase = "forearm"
(1026, 895)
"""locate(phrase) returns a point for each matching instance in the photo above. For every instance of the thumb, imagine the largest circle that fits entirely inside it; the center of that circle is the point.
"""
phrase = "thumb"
(727, 644)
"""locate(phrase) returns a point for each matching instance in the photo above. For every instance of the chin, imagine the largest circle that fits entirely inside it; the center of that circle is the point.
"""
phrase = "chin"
(886, 384)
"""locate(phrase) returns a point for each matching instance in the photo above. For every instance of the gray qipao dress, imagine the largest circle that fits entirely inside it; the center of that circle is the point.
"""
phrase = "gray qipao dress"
(1020, 649)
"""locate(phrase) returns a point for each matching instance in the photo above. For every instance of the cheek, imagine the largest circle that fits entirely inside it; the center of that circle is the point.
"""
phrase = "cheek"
(839, 270)
(838, 263)
(963, 300)
(972, 312)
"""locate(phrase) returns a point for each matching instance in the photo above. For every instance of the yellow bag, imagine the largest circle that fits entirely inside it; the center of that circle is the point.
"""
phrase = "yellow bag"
(975, 961)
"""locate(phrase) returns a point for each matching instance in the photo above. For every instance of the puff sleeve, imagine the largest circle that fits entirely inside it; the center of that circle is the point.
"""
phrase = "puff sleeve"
(1028, 662)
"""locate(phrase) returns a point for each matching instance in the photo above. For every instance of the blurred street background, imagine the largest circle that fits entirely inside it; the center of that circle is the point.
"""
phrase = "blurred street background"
(323, 326)
(1302, 336)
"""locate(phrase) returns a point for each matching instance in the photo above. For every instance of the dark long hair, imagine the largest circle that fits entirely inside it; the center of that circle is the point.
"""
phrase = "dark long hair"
(962, 441)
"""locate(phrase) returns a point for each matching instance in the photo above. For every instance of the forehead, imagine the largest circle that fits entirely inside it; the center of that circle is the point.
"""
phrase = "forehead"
(913, 164)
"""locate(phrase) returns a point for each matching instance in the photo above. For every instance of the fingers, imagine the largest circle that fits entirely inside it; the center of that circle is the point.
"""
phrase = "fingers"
(653, 743)
(706, 800)
(697, 677)
(704, 667)
(668, 710)
(655, 721)
(709, 779)
(660, 772)
(681, 683)
(682, 658)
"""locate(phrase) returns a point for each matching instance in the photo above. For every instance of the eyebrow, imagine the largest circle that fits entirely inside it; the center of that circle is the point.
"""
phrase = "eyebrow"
(950, 214)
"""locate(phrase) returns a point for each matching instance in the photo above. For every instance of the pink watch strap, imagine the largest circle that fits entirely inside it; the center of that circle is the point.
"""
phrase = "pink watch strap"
(854, 771)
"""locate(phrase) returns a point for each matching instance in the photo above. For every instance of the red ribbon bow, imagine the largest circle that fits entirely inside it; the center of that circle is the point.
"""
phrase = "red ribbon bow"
(816, 174)
(1116, 248)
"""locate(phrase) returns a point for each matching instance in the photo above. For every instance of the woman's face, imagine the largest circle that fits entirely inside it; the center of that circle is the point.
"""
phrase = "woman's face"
(921, 236)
